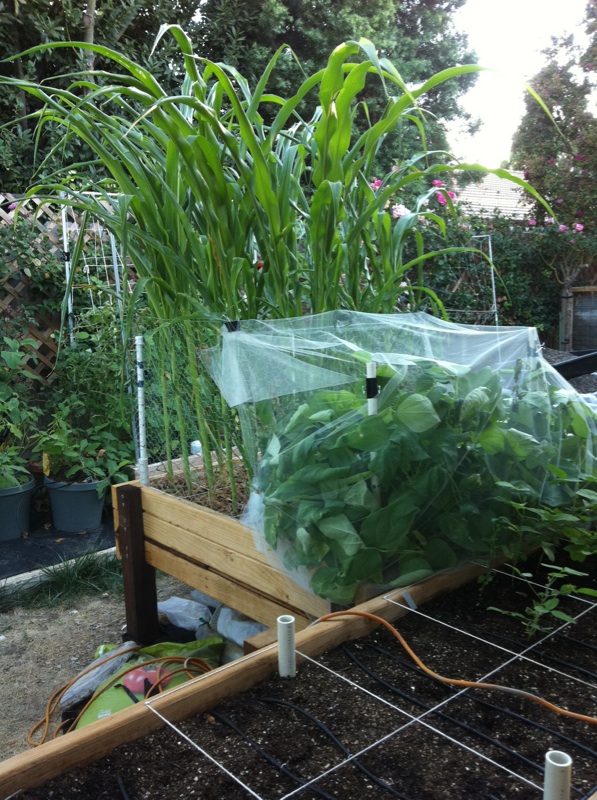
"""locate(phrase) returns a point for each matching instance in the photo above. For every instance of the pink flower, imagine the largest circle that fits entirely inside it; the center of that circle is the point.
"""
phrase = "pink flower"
(451, 195)
(441, 199)
(437, 183)
(559, 201)
(12, 206)
(578, 157)
(551, 160)
(562, 228)
(571, 241)
(395, 167)
(399, 210)
(532, 222)
(375, 184)
(578, 227)
(549, 220)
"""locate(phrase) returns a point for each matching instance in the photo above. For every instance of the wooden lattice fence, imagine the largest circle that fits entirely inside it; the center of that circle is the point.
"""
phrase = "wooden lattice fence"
(45, 220)
(22, 268)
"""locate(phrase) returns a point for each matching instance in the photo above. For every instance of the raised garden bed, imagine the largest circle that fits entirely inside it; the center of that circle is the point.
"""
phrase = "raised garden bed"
(477, 744)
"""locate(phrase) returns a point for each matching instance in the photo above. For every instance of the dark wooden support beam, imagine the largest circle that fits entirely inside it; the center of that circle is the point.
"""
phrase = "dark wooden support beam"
(140, 594)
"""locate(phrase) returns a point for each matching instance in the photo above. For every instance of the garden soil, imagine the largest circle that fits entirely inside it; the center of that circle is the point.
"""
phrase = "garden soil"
(277, 736)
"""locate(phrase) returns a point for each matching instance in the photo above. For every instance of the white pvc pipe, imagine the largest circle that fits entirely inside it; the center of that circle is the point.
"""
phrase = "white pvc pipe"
(143, 462)
(558, 774)
(67, 268)
(286, 653)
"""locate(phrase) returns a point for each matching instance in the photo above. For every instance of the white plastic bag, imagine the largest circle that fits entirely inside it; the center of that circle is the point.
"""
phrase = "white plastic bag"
(187, 614)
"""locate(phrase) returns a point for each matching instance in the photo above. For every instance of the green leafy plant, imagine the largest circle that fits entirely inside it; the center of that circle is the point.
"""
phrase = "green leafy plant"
(545, 603)
(82, 454)
(451, 468)
(19, 417)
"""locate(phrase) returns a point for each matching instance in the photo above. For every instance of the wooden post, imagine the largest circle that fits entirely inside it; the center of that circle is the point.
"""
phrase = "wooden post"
(140, 594)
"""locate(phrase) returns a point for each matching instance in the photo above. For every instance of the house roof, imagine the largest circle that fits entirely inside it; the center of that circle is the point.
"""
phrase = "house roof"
(493, 193)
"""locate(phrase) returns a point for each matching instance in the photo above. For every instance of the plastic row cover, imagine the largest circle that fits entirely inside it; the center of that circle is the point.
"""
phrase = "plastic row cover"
(472, 440)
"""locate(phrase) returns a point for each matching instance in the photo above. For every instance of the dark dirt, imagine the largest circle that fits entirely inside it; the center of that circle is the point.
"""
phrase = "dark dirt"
(479, 744)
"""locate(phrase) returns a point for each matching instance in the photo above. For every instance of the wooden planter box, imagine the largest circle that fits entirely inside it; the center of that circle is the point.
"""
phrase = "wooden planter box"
(216, 555)
(203, 549)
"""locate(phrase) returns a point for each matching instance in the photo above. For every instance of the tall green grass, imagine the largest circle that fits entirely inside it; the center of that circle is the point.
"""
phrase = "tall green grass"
(228, 217)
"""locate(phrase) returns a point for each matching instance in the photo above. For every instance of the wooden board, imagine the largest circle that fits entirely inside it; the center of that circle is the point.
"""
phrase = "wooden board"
(224, 561)
(234, 594)
(250, 568)
(37, 766)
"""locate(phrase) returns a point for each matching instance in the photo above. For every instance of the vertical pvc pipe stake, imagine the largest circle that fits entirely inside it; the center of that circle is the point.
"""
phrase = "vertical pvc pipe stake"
(286, 653)
(558, 774)
(143, 464)
(67, 268)
(372, 388)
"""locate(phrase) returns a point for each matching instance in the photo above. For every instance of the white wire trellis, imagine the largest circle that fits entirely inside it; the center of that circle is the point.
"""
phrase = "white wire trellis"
(421, 721)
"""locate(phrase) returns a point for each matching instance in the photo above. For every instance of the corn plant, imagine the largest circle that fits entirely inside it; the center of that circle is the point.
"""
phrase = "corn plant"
(228, 217)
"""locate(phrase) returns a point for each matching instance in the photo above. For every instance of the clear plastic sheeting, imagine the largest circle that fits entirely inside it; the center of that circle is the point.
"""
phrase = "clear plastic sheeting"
(475, 448)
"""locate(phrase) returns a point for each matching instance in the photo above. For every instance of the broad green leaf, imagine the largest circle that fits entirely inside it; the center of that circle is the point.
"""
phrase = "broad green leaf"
(361, 496)
(476, 400)
(440, 555)
(326, 582)
(365, 565)
(309, 511)
(417, 413)
(492, 440)
(408, 578)
(319, 473)
(341, 530)
(579, 423)
(369, 435)
(388, 528)
(311, 551)
(12, 359)
(588, 494)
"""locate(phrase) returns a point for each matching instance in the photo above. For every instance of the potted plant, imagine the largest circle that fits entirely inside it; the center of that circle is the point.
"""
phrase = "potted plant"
(79, 464)
(19, 418)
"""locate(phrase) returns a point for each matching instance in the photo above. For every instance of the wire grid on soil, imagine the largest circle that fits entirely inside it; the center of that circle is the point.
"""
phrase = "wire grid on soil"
(384, 727)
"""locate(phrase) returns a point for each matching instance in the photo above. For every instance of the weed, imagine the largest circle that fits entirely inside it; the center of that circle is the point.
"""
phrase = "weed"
(544, 606)
(67, 581)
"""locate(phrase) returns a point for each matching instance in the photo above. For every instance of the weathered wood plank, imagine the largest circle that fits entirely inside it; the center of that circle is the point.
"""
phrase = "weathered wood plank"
(140, 592)
(208, 524)
(258, 607)
(35, 767)
(252, 568)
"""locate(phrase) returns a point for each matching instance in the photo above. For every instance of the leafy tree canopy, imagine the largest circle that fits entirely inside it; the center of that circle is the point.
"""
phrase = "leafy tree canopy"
(417, 35)
(558, 149)
(126, 25)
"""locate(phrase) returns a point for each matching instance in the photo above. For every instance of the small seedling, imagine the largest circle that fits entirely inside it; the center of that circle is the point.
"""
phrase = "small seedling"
(546, 601)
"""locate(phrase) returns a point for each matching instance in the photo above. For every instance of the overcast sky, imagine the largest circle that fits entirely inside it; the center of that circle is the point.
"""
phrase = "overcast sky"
(508, 36)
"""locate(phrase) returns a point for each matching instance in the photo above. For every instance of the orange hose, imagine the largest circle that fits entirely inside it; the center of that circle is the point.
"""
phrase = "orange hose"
(454, 681)
(190, 666)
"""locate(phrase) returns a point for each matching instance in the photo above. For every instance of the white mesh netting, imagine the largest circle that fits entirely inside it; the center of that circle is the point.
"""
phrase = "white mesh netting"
(475, 446)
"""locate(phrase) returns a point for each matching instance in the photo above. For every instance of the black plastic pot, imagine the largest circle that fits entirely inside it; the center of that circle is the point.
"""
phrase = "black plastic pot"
(15, 504)
(75, 506)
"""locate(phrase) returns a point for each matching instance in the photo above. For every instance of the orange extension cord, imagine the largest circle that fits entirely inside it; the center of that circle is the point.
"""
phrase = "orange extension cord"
(456, 682)
(191, 667)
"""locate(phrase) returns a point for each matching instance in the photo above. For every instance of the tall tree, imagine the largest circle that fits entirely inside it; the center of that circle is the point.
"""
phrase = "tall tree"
(418, 36)
(126, 25)
(559, 150)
